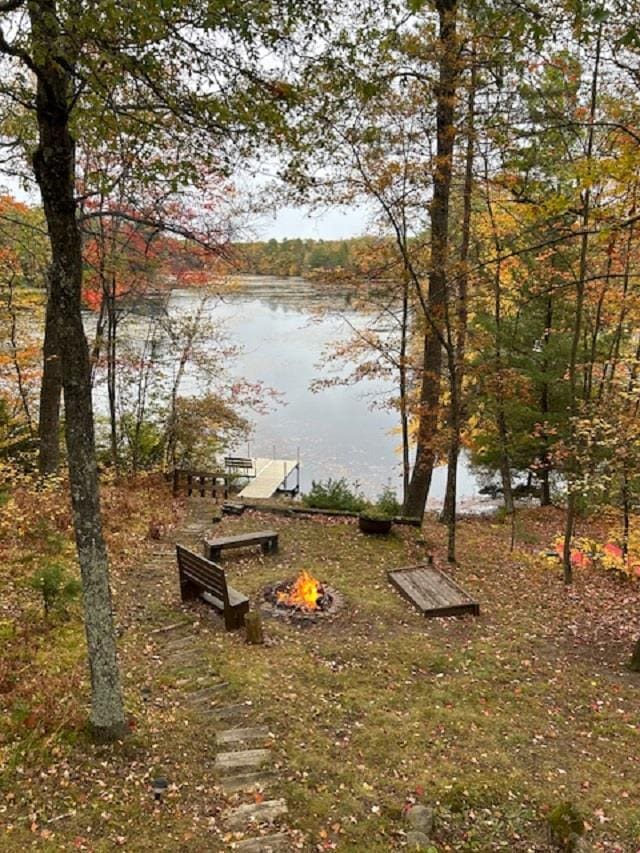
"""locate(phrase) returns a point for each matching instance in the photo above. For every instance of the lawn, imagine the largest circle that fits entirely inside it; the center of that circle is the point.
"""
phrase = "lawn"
(493, 721)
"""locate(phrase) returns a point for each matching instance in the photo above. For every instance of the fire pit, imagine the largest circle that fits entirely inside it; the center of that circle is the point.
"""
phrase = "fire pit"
(301, 599)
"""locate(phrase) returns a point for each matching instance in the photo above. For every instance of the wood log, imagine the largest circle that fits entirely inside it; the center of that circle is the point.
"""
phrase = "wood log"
(253, 624)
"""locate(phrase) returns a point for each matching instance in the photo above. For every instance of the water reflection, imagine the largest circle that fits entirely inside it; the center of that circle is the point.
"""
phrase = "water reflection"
(283, 341)
(283, 327)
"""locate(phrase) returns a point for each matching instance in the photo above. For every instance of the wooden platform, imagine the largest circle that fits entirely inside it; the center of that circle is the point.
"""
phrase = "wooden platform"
(270, 475)
(432, 592)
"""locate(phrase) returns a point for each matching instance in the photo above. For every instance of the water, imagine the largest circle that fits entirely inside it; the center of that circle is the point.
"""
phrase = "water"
(339, 431)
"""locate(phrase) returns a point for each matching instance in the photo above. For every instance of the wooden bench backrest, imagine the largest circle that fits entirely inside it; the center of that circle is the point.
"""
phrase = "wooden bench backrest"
(238, 462)
(203, 572)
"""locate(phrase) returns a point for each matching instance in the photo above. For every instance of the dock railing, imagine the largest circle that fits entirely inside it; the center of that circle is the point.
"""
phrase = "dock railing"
(204, 484)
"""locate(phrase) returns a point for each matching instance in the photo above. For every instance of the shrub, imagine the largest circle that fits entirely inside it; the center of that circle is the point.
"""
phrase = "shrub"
(387, 503)
(335, 494)
(375, 513)
(566, 826)
(57, 589)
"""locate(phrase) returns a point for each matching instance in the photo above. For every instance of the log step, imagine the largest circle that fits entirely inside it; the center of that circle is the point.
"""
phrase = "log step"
(242, 735)
(230, 712)
(184, 660)
(246, 781)
(167, 632)
(179, 643)
(229, 761)
(266, 844)
(264, 812)
(207, 694)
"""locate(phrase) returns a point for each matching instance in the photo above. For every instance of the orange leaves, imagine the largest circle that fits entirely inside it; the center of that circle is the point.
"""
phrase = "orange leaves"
(608, 555)
(92, 298)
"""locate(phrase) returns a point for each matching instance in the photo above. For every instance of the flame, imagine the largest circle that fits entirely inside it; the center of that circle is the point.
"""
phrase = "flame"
(305, 592)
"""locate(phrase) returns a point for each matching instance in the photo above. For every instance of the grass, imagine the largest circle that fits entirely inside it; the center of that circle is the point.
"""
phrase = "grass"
(493, 721)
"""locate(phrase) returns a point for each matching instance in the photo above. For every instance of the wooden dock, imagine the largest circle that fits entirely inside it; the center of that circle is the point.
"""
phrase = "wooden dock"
(432, 592)
(269, 476)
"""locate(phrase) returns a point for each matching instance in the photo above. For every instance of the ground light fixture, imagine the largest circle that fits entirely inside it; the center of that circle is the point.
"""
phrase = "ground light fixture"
(159, 786)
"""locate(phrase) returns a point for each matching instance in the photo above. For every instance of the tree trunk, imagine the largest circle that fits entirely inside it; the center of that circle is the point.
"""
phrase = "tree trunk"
(545, 488)
(545, 460)
(50, 391)
(13, 339)
(626, 515)
(505, 463)
(403, 389)
(420, 482)
(432, 362)
(112, 337)
(54, 166)
(634, 664)
(456, 359)
(572, 504)
(501, 418)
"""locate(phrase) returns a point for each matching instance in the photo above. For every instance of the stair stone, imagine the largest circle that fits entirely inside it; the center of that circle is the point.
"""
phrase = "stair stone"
(265, 812)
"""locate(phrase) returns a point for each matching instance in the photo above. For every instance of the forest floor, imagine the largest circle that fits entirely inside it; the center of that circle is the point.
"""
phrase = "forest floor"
(492, 721)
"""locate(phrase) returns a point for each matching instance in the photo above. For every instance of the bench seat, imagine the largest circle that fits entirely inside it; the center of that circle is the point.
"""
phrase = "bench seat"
(236, 599)
(201, 578)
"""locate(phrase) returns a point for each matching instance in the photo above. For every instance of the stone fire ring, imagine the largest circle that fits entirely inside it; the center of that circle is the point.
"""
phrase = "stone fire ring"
(297, 614)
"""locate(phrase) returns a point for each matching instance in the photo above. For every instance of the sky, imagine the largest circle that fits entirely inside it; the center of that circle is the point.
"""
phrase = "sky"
(329, 223)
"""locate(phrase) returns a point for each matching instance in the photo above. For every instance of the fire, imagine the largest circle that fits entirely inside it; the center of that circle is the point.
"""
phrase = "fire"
(305, 593)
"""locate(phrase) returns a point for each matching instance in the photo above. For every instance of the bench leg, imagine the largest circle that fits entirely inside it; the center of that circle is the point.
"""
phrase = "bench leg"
(188, 591)
(270, 546)
(211, 554)
(234, 617)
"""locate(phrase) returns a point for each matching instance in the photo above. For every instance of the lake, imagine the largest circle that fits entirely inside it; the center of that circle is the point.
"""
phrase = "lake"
(283, 327)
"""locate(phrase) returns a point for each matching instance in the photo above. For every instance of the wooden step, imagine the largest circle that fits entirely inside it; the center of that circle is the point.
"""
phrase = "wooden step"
(231, 736)
(246, 781)
(226, 762)
(265, 812)
(265, 844)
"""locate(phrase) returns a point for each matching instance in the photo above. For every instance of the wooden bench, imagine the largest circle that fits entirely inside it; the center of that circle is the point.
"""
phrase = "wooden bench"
(240, 465)
(200, 578)
(268, 539)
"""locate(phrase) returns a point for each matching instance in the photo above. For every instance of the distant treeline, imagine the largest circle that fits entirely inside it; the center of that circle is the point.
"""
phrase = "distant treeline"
(299, 257)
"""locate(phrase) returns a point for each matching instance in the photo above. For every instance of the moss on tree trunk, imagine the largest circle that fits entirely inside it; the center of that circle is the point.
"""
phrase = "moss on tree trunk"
(54, 166)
